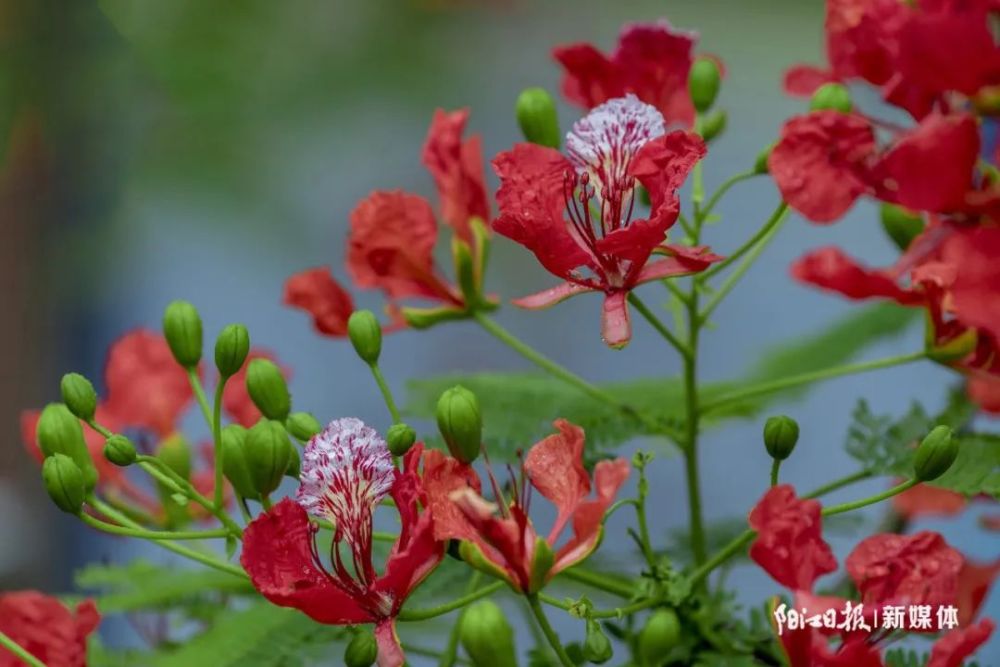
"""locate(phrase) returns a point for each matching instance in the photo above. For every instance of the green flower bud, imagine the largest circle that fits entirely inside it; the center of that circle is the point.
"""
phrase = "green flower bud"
(760, 165)
(79, 395)
(661, 633)
(64, 483)
(536, 114)
(901, 225)
(362, 650)
(596, 646)
(182, 329)
(303, 425)
(175, 452)
(267, 388)
(703, 83)
(935, 454)
(268, 452)
(713, 125)
(366, 335)
(119, 450)
(400, 437)
(60, 432)
(234, 462)
(460, 423)
(231, 349)
(294, 463)
(780, 435)
(486, 636)
(833, 97)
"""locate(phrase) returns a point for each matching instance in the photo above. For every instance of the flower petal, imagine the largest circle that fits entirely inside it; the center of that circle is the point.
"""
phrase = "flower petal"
(443, 476)
(555, 467)
(390, 652)
(46, 629)
(803, 80)
(831, 269)
(959, 644)
(905, 569)
(551, 296)
(588, 519)
(616, 327)
(663, 164)
(316, 292)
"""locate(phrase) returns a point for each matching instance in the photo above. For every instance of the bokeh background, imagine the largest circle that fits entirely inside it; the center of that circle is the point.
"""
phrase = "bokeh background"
(206, 149)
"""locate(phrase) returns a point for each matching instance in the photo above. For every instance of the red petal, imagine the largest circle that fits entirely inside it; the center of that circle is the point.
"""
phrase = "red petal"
(507, 542)
(684, 260)
(316, 292)
(973, 293)
(443, 475)
(831, 269)
(590, 78)
(635, 242)
(959, 644)
(984, 391)
(555, 467)
(820, 163)
(905, 569)
(411, 564)
(551, 296)
(45, 628)
(616, 325)
(532, 204)
(235, 399)
(924, 500)
(803, 80)
(862, 37)
(457, 168)
(277, 556)
(974, 583)
(654, 59)
(663, 164)
(588, 519)
(390, 652)
(146, 387)
(789, 543)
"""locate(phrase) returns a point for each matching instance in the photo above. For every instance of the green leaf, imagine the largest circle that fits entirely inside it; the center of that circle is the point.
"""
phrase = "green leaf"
(977, 468)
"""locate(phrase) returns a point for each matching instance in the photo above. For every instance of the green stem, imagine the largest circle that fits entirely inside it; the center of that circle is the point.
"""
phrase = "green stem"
(154, 534)
(450, 654)
(776, 218)
(840, 483)
(199, 394)
(770, 230)
(383, 387)
(409, 615)
(217, 441)
(690, 447)
(599, 581)
(871, 500)
(660, 327)
(724, 554)
(550, 634)
(640, 517)
(112, 513)
(164, 474)
(564, 374)
(775, 467)
(100, 429)
(810, 377)
(723, 189)
(19, 652)
(617, 612)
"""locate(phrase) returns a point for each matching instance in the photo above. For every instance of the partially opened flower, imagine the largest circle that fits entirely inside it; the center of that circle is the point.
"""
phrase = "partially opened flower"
(499, 537)
(347, 471)
(576, 213)
(45, 628)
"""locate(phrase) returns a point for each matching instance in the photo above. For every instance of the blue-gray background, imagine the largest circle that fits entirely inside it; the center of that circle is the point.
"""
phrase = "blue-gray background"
(205, 150)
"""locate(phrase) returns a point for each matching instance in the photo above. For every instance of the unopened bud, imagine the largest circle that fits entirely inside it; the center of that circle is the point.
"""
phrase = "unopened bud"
(64, 483)
(231, 349)
(268, 452)
(486, 636)
(935, 454)
(901, 225)
(832, 97)
(119, 450)
(366, 335)
(703, 83)
(175, 452)
(182, 329)
(661, 633)
(294, 467)
(780, 435)
(460, 423)
(713, 125)
(303, 425)
(79, 396)
(760, 165)
(268, 390)
(536, 114)
(400, 437)
(234, 462)
(596, 646)
(60, 432)
(362, 650)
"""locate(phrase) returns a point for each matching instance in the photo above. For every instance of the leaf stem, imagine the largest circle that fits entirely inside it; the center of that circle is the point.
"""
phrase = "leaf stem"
(217, 441)
(617, 612)
(840, 483)
(383, 387)
(199, 394)
(548, 631)
(154, 534)
(164, 474)
(810, 377)
(775, 219)
(18, 651)
(599, 581)
(870, 500)
(409, 615)
(657, 324)
(723, 188)
(775, 467)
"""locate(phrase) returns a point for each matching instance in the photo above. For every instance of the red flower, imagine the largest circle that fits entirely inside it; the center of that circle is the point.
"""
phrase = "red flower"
(959, 644)
(789, 543)
(601, 247)
(821, 163)
(346, 471)
(316, 292)
(974, 582)
(651, 61)
(235, 398)
(831, 269)
(46, 629)
(507, 545)
(905, 569)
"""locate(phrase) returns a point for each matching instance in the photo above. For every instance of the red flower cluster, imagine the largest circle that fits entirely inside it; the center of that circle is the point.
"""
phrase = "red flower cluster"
(575, 212)
(42, 626)
(887, 569)
(393, 235)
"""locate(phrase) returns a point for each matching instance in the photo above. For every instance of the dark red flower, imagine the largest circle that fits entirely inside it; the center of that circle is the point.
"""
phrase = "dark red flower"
(789, 543)
(499, 537)
(346, 471)
(959, 644)
(821, 163)
(905, 569)
(46, 629)
(316, 292)
(651, 61)
(236, 400)
(575, 213)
